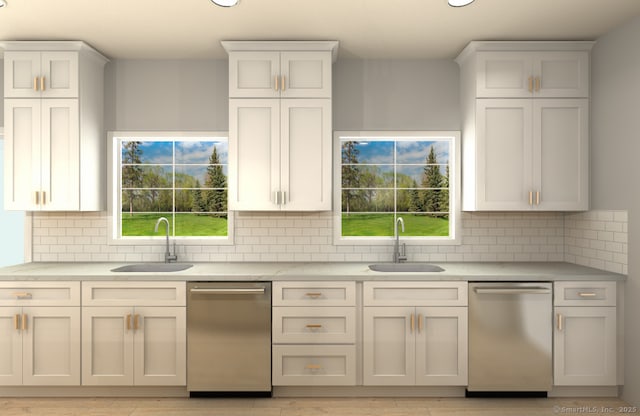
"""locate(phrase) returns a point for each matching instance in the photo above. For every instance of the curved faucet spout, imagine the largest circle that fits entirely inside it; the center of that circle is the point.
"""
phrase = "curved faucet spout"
(168, 257)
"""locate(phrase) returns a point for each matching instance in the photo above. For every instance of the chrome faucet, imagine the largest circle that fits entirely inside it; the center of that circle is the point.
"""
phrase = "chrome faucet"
(397, 256)
(168, 257)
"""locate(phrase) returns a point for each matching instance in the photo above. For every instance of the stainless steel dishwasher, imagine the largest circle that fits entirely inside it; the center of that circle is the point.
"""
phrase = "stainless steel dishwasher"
(510, 337)
(228, 338)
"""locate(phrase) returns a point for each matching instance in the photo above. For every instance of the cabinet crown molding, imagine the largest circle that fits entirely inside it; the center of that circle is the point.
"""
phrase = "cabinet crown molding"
(285, 45)
(52, 45)
(522, 46)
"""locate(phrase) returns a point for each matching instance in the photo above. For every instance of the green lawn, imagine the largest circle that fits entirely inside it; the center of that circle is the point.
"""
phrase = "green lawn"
(381, 225)
(187, 225)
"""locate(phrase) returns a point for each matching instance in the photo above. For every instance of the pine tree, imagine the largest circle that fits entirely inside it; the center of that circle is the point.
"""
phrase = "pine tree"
(350, 174)
(444, 195)
(198, 204)
(432, 179)
(131, 171)
(216, 198)
(415, 203)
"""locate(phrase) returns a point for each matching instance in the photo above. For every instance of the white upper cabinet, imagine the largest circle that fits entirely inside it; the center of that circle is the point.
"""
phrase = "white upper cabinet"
(539, 74)
(54, 137)
(525, 131)
(41, 74)
(280, 125)
(273, 74)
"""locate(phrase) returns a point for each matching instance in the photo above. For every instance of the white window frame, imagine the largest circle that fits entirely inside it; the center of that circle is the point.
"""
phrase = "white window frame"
(454, 237)
(114, 195)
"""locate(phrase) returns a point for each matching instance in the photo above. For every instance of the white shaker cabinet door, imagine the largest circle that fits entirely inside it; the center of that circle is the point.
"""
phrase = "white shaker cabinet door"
(51, 345)
(305, 74)
(254, 74)
(389, 346)
(52, 74)
(160, 347)
(504, 75)
(562, 74)
(10, 346)
(60, 72)
(441, 346)
(254, 154)
(561, 154)
(306, 154)
(107, 346)
(21, 74)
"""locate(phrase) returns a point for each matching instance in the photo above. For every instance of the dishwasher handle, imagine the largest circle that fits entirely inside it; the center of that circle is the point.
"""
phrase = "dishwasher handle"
(512, 290)
(229, 291)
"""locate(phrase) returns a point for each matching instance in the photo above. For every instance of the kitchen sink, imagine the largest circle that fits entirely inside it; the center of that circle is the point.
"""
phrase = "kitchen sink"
(405, 267)
(153, 267)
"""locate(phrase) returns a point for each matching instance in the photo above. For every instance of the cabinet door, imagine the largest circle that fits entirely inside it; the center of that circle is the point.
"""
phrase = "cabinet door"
(51, 345)
(21, 70)
(60, 161)
(254, 154)
(22, 154)
(254, 74)
(585, 346)
(441, 346)
(561, 154)
(306, 74)
(306, 154)
(107, 346)
(504, 155)
(504, 74)
(160, 356)
(60, 72)
(562, 74)
(10, 346)
(389, 346)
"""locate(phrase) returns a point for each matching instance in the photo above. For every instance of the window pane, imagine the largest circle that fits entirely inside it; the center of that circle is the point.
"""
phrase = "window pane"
(369, 176)
(147, 201)
(190, 176)
(417, 152)
(194, 225)
(425, 225)
(201, 200)
(423, 200)
(147, 152)
(201, 152)
(369, 200)
(144, 224)
(373, 152)
(143, 176)
(367, 225)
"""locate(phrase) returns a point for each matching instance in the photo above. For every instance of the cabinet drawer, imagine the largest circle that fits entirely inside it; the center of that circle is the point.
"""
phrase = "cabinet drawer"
(133, 293)
(415, 293)
(314, 293)
(314, 325)
(584, 293)
(40, 293)
(312, 365)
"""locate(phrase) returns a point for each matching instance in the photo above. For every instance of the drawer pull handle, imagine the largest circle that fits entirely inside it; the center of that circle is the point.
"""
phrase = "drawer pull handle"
(420, 326)
(128, 319)
(413, 323)
(16, 321)
(587, 294)
(24, 321)
(313, 367)
(22, 295)
(559, 319)
(41, 83)
(314, 326)
(313, 295)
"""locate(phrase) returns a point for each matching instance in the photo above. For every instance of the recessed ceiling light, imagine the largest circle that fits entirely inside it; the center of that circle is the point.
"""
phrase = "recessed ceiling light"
(223, 3)
(2, 3)
(459, 3)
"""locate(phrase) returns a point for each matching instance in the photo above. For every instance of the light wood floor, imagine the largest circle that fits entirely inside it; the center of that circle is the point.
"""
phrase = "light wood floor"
(310, 407)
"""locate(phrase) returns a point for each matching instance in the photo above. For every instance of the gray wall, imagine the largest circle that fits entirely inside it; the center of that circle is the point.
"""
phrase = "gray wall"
(615, 148)
(367, 94)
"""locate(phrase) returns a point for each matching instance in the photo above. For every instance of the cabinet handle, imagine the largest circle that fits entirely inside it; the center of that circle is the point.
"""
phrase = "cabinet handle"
(24, 321)
(35, 83)
(537, 84)
(284, 197)
(587, 294)
(313, 326)
(44, 197)
(530, 84)
(559, 321)
(420, 327)
(276, 88)
(16, 321)
(313, 295)
(37, 198)
(313, 366)
(128, 320)
(283, 84)
(537, 197)
(413, 323)
(22, 295)
(136, 322)
(530, 197)
(41, 83)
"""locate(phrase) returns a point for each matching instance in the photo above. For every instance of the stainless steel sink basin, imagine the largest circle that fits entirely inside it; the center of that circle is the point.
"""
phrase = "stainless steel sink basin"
(153, 267)
(405, 267)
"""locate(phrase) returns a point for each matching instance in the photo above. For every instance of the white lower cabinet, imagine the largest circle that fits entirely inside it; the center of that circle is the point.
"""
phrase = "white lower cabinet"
(406, 342)
(133, 345)
(585, 334)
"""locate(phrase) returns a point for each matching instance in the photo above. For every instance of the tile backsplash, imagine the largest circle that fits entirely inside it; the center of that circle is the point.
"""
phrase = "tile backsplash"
(596, 238)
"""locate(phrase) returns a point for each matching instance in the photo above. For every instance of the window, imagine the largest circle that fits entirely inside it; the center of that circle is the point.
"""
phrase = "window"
(182, 177)
(381, 176)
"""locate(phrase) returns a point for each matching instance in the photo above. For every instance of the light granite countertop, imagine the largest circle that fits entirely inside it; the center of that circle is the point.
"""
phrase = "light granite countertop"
(485, 271)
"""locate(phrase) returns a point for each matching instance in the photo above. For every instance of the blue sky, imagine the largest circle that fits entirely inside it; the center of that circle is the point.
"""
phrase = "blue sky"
(409, 152)
(187, 152)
